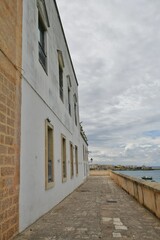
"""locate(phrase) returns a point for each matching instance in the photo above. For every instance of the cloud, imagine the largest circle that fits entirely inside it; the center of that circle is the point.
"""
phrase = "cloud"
(115, 49)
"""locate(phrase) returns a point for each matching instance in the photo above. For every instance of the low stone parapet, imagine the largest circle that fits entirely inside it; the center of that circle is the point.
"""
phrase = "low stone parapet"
(145, 192)
(99, 172)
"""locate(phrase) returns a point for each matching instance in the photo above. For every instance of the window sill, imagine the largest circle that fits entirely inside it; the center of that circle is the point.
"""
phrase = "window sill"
(64, 180)
(49, 185)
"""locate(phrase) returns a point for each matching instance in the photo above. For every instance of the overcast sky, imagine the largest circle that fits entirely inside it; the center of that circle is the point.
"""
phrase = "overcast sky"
(115, 48)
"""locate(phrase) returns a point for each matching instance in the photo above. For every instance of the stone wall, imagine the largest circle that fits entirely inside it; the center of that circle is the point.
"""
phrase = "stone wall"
(10, 101)
(99, 173)
(145, 192)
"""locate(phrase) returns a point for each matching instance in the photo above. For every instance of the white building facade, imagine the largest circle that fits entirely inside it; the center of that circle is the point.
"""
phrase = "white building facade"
(54, 151)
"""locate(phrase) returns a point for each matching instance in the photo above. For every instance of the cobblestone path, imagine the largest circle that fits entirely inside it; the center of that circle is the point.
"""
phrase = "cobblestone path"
(98, 209)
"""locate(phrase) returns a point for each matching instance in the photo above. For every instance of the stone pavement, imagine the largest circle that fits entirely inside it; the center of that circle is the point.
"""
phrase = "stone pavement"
(98, 209)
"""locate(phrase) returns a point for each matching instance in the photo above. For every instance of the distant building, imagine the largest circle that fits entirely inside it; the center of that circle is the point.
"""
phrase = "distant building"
(43, 148)
(99, 167)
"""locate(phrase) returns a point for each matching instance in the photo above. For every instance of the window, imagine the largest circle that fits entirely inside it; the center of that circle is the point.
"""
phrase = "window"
(49, 158)
(42, 43)
(60, 66)
(85, 159)
(64, 162)
(69, 100)
(60, 82)
(69, 93)
(75, 113)
(85, 153)
(43, 24)
(75, 108)
(76, 159)
(71, 160)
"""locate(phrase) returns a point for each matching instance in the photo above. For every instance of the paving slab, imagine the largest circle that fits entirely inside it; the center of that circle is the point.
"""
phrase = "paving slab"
(98, 209)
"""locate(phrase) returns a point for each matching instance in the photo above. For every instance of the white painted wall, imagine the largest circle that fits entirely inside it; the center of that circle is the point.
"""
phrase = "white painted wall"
(40, 100)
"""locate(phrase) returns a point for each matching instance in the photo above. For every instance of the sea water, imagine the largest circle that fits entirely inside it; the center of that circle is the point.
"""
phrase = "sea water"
(155, 174)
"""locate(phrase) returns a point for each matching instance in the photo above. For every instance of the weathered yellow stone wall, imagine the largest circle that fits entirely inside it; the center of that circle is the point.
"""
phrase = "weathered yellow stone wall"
(10, 101)
(99, 173)
(147, 193)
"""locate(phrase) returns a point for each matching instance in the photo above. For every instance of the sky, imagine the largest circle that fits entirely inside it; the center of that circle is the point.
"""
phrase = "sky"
(115, 49)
